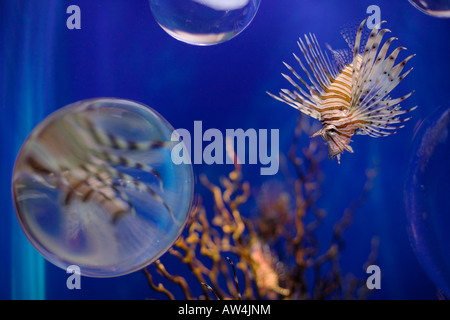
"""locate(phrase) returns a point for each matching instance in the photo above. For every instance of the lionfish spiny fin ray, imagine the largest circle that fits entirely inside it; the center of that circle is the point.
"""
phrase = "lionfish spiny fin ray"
(349, 95)
(128, 179)
(88, 184)
(91, 174)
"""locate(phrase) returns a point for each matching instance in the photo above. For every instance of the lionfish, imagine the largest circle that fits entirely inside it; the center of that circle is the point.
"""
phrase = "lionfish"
(349, 94)
(75, 155)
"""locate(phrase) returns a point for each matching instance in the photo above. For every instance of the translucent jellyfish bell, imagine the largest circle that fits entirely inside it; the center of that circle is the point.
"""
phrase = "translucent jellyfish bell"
(436, 8)
(94, 185)
(426, 193)
(204, 22)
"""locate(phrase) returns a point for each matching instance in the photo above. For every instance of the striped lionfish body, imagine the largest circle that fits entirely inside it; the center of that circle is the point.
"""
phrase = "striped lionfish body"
(89, 165)
(349, 94)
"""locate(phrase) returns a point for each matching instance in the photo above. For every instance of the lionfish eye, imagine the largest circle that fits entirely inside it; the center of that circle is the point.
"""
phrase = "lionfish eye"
(332, 130)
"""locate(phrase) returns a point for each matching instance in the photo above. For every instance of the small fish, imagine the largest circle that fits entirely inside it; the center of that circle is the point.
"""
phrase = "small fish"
(349, 94)
(88, 164)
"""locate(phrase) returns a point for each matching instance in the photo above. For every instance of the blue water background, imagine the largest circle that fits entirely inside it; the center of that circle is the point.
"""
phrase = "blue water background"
(121, 52)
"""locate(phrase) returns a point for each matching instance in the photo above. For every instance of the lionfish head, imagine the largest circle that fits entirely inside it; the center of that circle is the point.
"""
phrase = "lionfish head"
(337, 140)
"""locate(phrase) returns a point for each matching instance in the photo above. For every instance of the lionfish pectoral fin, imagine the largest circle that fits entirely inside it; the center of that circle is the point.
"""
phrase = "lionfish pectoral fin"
(280, 99)
(348, 148)
(318, 133)
(141, 186)
(118, 215)
(337, 156)
(127, 162)
(110, 140)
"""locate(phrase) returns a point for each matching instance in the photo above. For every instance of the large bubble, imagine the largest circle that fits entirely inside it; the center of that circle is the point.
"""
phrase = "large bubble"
(204, 22)
(436, 8)
(94, 186)
(427, 198)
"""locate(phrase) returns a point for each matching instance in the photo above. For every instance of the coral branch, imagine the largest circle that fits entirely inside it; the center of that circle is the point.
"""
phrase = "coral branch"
(274, 248)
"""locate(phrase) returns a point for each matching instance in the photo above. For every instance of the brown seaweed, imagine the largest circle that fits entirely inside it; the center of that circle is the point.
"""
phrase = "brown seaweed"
(306, 269)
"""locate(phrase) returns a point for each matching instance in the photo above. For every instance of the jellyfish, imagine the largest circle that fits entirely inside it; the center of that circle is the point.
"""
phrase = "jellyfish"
(435, 8)
(426, 195)
(94, 186)
(204, 22)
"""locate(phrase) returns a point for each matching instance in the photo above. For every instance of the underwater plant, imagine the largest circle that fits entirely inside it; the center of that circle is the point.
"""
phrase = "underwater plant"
(273, 250)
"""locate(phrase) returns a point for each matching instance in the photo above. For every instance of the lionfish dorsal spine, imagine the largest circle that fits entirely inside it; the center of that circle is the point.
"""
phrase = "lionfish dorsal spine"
(349, 95)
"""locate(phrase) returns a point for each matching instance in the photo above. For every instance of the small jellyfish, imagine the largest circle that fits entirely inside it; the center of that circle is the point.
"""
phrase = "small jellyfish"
(435, 8)
(426, 195)
(94, 186)
(204, 22)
